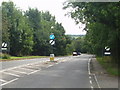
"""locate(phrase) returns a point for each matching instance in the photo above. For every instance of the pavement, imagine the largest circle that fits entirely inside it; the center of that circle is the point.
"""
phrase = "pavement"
(104, 79)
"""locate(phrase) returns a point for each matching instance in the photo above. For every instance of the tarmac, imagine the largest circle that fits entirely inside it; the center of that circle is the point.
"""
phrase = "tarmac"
(104, 79)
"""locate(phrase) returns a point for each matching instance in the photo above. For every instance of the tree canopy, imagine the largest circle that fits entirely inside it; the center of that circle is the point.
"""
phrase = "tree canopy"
(27, 32)
(102, 21)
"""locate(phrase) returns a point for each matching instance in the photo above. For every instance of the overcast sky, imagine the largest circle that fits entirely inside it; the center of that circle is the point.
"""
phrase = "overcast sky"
(55, 8)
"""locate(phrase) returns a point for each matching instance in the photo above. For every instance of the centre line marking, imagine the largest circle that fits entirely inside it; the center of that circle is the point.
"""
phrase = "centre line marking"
(11, 74)
(9, 81)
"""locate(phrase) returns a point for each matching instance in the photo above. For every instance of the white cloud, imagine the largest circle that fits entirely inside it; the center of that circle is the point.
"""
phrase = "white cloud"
(55, 8)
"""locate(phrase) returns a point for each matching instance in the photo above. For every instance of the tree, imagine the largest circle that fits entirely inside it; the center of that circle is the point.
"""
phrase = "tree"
(102, 25)
(17, 30)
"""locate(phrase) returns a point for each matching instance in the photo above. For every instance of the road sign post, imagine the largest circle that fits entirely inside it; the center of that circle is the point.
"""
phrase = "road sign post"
(52, 42)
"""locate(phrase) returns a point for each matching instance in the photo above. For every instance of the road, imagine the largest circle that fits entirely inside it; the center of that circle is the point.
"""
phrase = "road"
(10, 64)
(67, 72)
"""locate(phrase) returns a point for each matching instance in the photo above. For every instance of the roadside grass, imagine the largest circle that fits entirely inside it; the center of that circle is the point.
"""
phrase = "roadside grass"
(19, 58)
(109, 66)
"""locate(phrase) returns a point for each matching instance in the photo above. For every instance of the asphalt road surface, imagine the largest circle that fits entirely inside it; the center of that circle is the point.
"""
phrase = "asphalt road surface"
(67, 72)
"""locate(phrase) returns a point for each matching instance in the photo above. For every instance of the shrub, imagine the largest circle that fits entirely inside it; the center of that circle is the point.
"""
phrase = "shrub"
(5, 56)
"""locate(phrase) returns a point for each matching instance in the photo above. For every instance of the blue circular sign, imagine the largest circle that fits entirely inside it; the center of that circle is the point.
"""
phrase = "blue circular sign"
(52, 36)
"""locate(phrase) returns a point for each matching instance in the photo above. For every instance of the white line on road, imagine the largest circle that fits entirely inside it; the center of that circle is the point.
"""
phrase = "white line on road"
(9, 81)
(89, 77)
(36, 65)
(26, 69)
(50, 65)
(22, 66)
(91, 87)
(3, 80)
(96, 81)
(11, 74)
(89, 66)
(31, 67)
(92, 74)
(90, 82)
(19, 71)
(33, 72)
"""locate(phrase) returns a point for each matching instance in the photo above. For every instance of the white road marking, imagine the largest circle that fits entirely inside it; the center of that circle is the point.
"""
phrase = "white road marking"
(37, 65)
(92, 74)
(90, 82)
(33, 72)
(50, 65)
(11, 74)
(89, 77)
(21, 66)
(3, 80)
(31, 67)
(89, 67)
(96, 81)
(91, 87)
(9, 82)
(19, 71)
(26, 69)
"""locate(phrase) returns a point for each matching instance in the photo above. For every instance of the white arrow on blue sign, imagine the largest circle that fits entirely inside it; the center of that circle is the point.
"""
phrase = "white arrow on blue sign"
(52, 36)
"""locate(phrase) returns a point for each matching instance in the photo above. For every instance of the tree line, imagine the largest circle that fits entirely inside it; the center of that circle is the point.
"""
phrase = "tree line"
(27, 32)
(102, 21)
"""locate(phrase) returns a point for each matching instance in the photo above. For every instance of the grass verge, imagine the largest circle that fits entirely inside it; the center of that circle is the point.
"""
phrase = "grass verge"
(110, 67)
(20, 58)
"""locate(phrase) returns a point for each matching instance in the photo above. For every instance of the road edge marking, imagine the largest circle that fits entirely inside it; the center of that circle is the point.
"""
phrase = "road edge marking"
(89, 71)
(96, 81)
(89, 66)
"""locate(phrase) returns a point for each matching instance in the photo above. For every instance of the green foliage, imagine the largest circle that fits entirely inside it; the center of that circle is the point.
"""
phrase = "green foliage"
(28, 32)
(5, 56)
(108, 65)
(102, 25)
(17, 31)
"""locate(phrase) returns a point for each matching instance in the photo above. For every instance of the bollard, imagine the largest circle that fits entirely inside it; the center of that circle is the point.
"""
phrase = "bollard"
(51, 57)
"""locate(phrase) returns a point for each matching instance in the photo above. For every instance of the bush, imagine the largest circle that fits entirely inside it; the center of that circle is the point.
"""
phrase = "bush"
(5, 56)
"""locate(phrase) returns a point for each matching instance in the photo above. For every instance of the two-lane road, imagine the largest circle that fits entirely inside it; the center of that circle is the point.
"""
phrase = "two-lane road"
(71, 73)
